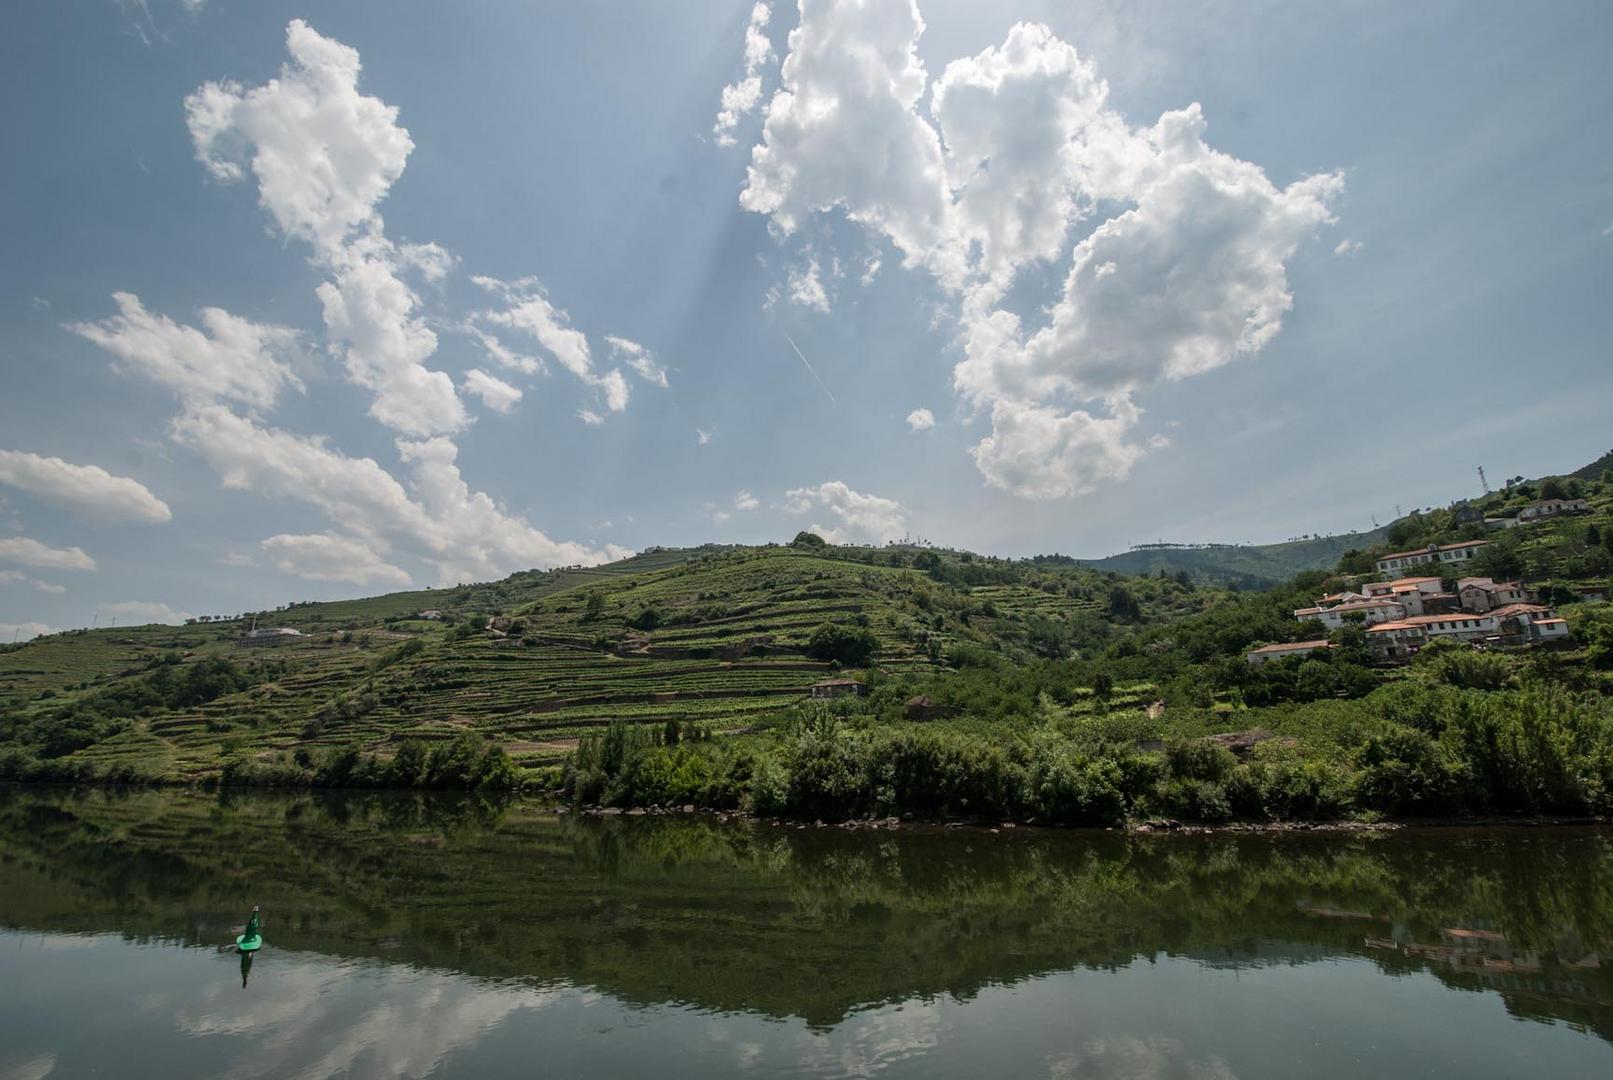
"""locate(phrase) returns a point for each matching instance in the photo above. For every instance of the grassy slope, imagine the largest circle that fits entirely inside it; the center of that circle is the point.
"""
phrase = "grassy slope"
(728, 651)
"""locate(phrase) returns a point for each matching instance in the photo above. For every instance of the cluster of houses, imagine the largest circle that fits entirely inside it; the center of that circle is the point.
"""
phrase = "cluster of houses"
(1402, 614)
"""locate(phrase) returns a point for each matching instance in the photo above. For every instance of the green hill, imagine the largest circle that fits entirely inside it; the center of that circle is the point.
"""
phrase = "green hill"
(1243, 565)
(713, 637)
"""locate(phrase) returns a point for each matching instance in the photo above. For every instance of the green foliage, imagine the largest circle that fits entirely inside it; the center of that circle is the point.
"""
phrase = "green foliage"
(850, 645)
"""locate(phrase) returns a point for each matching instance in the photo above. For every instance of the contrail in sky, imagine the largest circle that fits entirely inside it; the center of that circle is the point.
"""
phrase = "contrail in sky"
(810, 368)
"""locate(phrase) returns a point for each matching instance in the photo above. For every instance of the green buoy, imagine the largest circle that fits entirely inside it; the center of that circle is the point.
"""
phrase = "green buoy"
(252, 939)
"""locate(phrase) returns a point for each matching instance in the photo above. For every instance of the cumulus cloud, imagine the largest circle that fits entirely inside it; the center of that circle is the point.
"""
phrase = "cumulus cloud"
(1348, 247)
(739, 98)
(527, 311)
(324, 557)
(495, 393)
(26, 552)
(231, 358)
(921, 420)
(1183, 271)
(370, 313)
(324, 156)
(88, 490)
(141, 612)
(637, 357)
(856, 518)
(464, 534)
(17, 577)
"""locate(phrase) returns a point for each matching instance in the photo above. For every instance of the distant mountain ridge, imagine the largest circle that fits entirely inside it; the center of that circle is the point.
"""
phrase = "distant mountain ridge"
(1245, 565)
(1265, 565)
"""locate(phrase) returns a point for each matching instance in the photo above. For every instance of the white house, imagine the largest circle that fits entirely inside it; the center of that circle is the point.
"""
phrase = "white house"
(1441, 553)
(1428, 586)
(1552, 629)
(1548, 508)
(270, 635)
(1267, 653)
(1371, 611)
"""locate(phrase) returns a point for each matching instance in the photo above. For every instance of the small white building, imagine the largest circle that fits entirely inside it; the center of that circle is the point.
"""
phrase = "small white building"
(1553, 629)
(1378, 610)
(1267, 653)
(1441, 553)
(1428, 586)
(1550, 508)
(270, 635)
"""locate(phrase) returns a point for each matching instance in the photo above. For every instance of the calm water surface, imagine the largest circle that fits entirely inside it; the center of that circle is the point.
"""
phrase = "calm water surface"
(414, 936)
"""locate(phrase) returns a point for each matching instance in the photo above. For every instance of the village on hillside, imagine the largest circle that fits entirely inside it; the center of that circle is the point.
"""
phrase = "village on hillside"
(1402, 614)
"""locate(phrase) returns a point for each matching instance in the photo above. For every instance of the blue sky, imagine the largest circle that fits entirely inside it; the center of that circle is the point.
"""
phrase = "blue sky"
(305, 304)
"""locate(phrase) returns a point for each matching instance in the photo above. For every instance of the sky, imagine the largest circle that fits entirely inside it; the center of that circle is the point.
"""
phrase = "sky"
(302, 304)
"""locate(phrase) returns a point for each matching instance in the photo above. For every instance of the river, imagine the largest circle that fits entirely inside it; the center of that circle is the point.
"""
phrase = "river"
(447, 936)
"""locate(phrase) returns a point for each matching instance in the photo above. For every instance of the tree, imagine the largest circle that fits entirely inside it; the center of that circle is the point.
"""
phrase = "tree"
(595, 605)
(1593, 536)
(647, 619)
(1123, 606)
(850, 645)
(808, 540)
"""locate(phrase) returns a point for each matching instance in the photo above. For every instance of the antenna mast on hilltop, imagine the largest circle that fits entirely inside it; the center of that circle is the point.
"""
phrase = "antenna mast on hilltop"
(1485, 484)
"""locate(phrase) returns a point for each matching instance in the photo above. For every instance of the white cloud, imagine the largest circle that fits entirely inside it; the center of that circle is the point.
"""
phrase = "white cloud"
(141, 612)
(856, 517)
(463, 533)
(371, 312)
(84, 489)
(590, 417)
(17, 577)
(503, 355)
(637, 357)
(921, 420)
(236, 559)
(806, 287)
(26, 552)
(25, 631)
(324, 156)
(527, 310)
(739, 98)
(743, 503)
(1041, 452)
(324, 557)
(1348, 247)
(702, 437)
(495, 393)
(234, 358)
(1186, 274)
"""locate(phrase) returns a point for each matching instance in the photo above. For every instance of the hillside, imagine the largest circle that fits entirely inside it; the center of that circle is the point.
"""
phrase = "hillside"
(713, 637)
(1241, 565)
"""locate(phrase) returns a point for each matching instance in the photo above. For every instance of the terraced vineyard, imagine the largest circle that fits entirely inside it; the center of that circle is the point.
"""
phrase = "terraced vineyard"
(712, 636)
